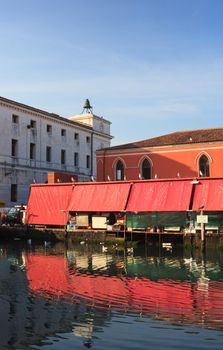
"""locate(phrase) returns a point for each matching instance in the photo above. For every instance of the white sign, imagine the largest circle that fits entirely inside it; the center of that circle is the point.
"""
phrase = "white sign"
(202, 219)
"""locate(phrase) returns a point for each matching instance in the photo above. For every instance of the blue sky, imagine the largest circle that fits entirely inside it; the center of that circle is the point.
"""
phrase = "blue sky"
(149, 66)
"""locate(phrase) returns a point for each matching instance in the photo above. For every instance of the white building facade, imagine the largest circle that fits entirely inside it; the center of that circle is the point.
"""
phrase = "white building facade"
(34, 142)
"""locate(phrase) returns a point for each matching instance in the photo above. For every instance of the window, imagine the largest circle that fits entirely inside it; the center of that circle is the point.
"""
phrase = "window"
(48, 154)
(63, 156)
(119, 171)
(204, 167)
(87, 162)
(76, 159)
(32, 151)
(33, 124)
(14, 149)
(63, 132)
(76, 136)
(146, 169)
(49, 129)
(88, 139)
(13, 193)
(15, 119)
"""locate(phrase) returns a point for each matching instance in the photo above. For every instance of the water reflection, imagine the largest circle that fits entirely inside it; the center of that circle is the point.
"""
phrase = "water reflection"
(49, 289)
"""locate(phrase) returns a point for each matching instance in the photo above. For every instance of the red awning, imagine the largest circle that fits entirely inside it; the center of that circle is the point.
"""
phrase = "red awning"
(208, 195)
(106, 197)
(160, 196)
(48, 204)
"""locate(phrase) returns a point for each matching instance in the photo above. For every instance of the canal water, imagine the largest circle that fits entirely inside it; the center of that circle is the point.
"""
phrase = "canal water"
(77, 296)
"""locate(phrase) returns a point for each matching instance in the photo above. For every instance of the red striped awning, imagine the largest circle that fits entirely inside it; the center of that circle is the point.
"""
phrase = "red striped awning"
(102, 197)
(48, 204)
(160, 196)
(208, 195)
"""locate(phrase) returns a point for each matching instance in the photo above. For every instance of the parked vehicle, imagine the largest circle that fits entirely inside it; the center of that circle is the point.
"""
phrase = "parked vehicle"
(15, 215)
(3, 214)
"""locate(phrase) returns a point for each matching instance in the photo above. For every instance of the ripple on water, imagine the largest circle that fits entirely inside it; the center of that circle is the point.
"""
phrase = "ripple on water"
(97, 294)
(166, 299)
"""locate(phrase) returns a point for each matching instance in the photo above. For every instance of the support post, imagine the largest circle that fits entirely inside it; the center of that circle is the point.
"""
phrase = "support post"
(202, 234)
(202, 229)
(124, 226)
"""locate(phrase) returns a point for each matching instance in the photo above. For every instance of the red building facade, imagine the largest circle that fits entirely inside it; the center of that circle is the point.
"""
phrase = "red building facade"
(193, 153)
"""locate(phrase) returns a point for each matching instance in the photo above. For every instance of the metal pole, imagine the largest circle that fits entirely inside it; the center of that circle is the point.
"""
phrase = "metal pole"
(202, 229)
(124, 233)
(202, 232)
(124, 225)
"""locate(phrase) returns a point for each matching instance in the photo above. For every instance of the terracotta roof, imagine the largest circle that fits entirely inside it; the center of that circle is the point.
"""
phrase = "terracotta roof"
(177, 138)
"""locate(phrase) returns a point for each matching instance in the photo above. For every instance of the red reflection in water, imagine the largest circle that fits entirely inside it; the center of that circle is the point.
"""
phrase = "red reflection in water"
(199, 303)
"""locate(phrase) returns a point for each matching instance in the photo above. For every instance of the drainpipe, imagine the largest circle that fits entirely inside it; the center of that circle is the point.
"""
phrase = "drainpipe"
(92, 153)
(104, 165)
(40, 136)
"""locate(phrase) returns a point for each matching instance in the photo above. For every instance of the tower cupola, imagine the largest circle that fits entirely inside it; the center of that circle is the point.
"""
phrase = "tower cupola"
(87, 108)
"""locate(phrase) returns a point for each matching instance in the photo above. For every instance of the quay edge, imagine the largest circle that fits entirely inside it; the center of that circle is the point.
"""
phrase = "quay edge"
(187, 241)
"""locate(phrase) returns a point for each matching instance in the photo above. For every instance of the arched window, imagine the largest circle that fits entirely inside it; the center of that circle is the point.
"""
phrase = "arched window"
(204, 167)
(146, 169)
(119, 170)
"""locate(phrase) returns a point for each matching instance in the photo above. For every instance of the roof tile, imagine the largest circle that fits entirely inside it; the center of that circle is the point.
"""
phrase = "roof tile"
(177, 138)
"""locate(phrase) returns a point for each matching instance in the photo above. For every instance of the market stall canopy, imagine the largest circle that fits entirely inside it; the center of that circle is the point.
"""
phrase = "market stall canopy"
(208, 195)
(101, 197)
(48, 204)
(160, 196)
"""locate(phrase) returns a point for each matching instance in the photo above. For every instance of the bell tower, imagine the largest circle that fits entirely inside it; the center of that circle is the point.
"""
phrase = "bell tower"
(87, 108)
